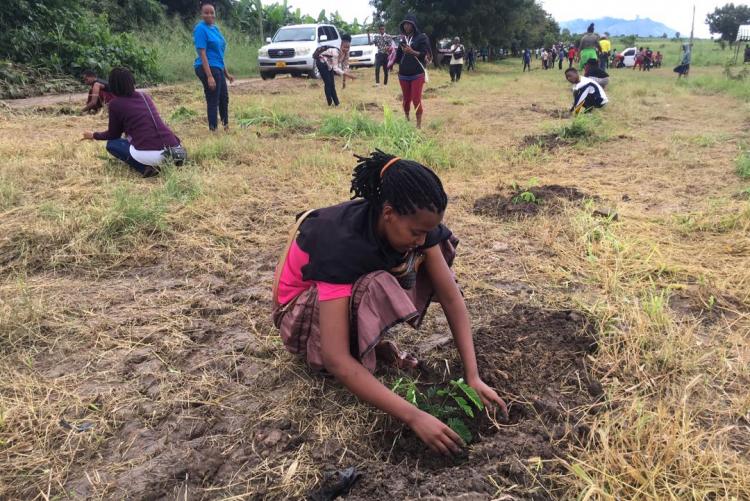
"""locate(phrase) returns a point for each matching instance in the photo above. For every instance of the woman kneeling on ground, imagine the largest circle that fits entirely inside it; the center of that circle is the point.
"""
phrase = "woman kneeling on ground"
(134, 114)
(352, 271)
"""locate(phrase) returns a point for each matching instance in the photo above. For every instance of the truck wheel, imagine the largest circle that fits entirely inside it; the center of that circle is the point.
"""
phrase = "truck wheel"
(268, 76)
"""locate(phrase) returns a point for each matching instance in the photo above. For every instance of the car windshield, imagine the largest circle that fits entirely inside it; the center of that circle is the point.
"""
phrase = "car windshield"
(359, 40)
(295, 35)
(445, 44)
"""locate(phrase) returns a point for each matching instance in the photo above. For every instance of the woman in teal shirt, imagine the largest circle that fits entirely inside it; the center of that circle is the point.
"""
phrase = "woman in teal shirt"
(209, 66)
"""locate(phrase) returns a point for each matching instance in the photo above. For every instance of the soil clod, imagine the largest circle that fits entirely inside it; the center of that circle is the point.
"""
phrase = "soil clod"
(521, 203)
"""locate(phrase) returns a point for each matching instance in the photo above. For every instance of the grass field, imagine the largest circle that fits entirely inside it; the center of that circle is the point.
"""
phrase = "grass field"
(604, 261)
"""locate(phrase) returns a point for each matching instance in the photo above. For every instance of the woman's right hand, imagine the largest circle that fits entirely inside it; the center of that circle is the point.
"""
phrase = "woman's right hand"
(437, 435)
(211, 83)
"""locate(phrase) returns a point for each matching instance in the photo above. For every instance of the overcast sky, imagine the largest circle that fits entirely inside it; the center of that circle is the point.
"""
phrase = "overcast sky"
(674, 13)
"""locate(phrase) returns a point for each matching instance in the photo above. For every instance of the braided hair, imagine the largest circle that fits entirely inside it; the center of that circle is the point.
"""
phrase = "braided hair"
(406, 185)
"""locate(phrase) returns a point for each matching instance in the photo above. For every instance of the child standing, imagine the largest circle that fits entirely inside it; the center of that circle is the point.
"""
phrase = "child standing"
(352, 271)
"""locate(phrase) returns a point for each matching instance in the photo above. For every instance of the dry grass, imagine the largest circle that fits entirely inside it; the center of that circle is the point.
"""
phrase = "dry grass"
(138, 310)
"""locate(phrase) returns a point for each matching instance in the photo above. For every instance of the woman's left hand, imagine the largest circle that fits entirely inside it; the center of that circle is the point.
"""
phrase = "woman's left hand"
(230, 78)
(88, 135)
(488, 395)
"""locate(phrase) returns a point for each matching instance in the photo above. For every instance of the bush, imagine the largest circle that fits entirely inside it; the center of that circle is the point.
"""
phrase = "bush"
(18, 80)
(62, 37)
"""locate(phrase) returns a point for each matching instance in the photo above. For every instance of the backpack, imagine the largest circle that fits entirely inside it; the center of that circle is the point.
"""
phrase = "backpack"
(322, 49)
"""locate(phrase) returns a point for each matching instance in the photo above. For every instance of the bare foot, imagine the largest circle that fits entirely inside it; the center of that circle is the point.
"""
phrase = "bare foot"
(388, 352)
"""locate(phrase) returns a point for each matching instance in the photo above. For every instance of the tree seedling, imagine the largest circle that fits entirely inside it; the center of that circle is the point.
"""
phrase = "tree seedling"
(453, 403)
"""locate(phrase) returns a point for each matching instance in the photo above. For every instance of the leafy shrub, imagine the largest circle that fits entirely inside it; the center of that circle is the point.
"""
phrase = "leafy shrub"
(18, 80)
(63, 37)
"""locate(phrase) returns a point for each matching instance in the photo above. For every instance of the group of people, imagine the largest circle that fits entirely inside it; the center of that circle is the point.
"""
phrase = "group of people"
(149, 142)
(351, 271)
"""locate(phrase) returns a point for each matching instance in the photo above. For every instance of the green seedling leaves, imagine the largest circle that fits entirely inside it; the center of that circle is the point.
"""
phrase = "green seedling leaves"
(461, 429)
(469, 392)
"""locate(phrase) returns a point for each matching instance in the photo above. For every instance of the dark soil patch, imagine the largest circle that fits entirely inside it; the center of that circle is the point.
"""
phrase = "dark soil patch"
(549, 141)
(556, 113)
(370, 106)
(55, 110)
(703, 304)
(511, 205)
(536, 359)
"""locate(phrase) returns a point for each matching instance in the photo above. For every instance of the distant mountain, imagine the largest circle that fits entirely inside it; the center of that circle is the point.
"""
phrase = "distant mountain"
(641, 26)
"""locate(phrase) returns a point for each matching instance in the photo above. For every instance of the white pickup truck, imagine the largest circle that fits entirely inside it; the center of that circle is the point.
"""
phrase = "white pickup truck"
(291, 48)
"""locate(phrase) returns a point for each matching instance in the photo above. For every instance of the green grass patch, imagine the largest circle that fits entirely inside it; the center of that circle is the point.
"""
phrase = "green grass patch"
(176, 53)
(265, 117)
(133, 213)
(742, 164)
(10, 195)
(182, 114)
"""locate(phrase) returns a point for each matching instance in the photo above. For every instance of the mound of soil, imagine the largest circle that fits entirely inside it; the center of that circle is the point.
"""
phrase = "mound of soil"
(549, 141)
(537, 361)
(507, 206)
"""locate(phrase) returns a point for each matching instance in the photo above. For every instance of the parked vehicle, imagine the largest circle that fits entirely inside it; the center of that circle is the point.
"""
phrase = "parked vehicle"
(626, 58)
(362, 52)
(444, 50)
(291, 48)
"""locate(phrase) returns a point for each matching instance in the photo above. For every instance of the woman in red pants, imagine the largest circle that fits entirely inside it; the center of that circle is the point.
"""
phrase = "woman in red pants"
(413, 50)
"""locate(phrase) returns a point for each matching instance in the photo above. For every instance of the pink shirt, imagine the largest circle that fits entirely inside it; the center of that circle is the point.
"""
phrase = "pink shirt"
(291, 283)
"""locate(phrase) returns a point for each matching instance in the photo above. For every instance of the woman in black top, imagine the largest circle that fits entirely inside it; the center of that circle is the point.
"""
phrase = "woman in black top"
(413, 49)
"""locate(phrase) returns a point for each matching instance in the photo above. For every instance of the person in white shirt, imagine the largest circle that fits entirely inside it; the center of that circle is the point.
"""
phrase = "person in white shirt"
(587, 94)
(457, 59)
(334, 61)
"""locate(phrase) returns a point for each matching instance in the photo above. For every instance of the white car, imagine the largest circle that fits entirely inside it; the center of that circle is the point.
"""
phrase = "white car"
(362, 52)
(628, 57)
(291, 48)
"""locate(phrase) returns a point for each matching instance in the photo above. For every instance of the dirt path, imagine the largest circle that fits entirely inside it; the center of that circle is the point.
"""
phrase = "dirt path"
(80, 97)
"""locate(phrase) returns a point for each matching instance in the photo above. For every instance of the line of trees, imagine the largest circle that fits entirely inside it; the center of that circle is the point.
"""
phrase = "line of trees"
(496, 23)
(67, 36)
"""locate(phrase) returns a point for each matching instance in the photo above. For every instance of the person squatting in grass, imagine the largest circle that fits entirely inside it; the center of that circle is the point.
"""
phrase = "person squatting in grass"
(352, 271)
(99, 93)
(384, 44)
(587, 94)
(209, 65)
(594, 71)
(411, 55)
(333, 61)
(134, 114)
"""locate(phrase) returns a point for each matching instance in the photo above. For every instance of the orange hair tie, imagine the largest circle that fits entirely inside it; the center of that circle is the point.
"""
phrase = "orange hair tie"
(386, 166)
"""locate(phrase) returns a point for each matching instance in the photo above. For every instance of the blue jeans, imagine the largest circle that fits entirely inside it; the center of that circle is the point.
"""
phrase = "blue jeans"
(217, 98)
(120, 149)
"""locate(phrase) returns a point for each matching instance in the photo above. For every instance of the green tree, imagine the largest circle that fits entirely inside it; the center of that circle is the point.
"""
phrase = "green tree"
(727, 20)
(479, 22)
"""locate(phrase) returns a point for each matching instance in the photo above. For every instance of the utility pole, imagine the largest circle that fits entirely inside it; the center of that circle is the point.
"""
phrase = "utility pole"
(692, 29)
(259, 6)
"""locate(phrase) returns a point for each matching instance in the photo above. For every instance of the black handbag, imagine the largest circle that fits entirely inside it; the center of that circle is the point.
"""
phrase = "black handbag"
(176, 154)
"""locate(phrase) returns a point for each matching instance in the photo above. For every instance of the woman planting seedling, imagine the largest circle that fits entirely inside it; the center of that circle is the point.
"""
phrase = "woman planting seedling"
(352, 271)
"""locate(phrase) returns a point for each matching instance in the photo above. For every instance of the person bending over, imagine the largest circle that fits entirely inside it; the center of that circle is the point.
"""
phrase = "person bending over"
(353, 270)
(333, 61)
(149, 141)
(99, 93)
(587, 94)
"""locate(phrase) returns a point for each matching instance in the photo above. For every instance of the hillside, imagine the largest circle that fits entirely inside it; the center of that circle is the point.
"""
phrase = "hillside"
(643, 27)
